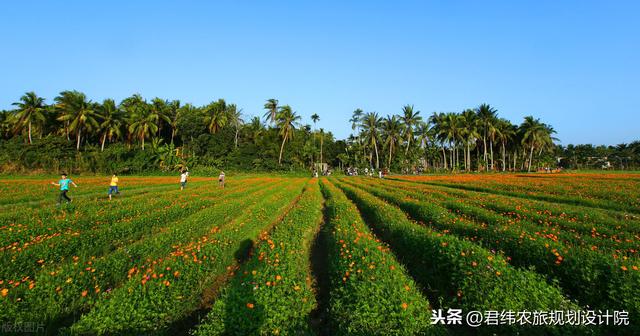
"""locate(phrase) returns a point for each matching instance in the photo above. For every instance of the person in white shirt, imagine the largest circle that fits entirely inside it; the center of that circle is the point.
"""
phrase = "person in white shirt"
(183, 179)
(221, 179)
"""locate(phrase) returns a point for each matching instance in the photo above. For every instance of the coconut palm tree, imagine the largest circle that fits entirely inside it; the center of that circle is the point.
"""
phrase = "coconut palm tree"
(486, 118)
(469, 133)
(272, 110)
(315, 118)
(370, 124)
(356, 118)
(438, 120)
(235, 120)
(217, 116)
(287, 120)
(173, 113)
(142, 122)
(392, 131)
(30, 111)
(409, 118)
(78, 112)
(112, 120)
(256, 129)
(160, 110)
(534, 133)
(505, 133)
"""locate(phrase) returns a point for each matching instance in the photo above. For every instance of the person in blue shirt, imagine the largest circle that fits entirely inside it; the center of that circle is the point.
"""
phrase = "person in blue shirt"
(64, 188)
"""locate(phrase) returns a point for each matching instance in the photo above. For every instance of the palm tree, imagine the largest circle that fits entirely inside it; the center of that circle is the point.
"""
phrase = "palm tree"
(409, 118)
(30, 111)
(392, 129)
(217, 116)
(439, 129)
(78, 112)
(272, 110)
(370, 125)
(356, 118)
(315, 118)
(486, 118)
(287, 121)
(469, 133)
(142, 121)
(505, 133)
(160, 111)
(235, 119)
(534, 133)
(112, 119)
(173, 113)
(256, 129)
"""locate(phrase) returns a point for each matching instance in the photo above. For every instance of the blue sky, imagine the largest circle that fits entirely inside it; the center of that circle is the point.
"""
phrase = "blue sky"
(574, 64)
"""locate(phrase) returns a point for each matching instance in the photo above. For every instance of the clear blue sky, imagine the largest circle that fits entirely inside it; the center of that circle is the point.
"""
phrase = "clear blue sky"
(574, 64)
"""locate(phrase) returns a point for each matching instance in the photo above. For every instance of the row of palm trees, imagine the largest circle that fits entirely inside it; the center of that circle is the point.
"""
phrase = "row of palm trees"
(134, 119)
(454, 135)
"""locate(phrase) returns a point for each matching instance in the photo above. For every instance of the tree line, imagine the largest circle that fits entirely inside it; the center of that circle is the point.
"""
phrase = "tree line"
(136, 135)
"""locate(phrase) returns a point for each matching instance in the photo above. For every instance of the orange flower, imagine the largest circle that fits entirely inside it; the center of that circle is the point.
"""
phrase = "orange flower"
(250, 305)
(405, 305)
(176, 274)
(474, 264)
(4, 292)
(278, 277)
(635, 268)
(624, 268)
(167, 283)
(84, 293)
(498, 273)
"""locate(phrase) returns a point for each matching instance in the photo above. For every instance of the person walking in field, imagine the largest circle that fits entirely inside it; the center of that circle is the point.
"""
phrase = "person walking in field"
(64, 188)
(183, 179)
(113, 186)
(221, 179)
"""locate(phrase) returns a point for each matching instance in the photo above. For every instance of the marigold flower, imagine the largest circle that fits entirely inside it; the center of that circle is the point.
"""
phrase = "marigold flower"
(250, 305)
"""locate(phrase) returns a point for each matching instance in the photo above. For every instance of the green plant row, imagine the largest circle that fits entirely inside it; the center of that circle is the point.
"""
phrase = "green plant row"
(170, 289)
(573, 217)
(93, 236)
(460, 273)
(623, 244)
(599, 203)
(272, 292)
(370, 291)
(591, 278)
(67, 288)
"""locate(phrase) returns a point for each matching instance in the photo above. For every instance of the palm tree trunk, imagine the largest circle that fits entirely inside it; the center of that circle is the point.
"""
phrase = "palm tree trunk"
(504, 157)
(530, 157)
(173, 133)
(484, 140)
(29, 132)
(408, 142)
(375, 145)
(281, 149)
(321, 142)
(236, 141)
(78, 143)
(390, 149)
(444, 157)
(104, 139)
(491, 147)
(142, 137)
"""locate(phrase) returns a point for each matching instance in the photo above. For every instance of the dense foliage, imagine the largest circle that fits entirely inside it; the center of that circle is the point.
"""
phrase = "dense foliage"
(75, 134)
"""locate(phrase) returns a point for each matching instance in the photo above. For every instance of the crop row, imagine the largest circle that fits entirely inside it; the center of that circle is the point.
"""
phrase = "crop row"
(594, 236)
(459, 273)
(89, 237)
(61, 289)
(272, 292)
(591, 278)
(370, 292)
(172, 287)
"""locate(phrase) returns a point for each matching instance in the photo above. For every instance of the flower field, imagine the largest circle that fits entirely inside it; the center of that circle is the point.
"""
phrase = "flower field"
(329, 256)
